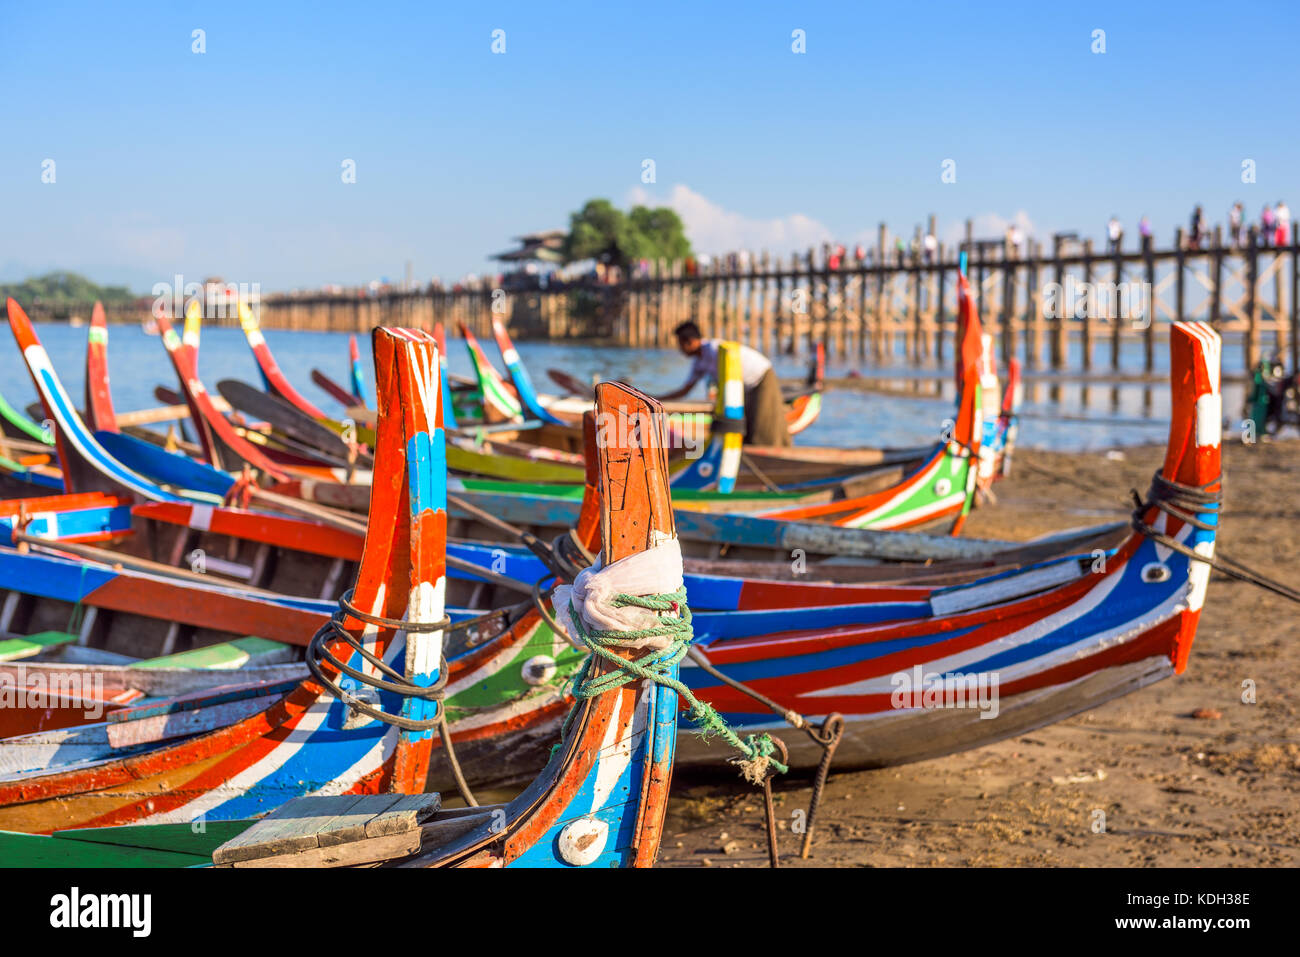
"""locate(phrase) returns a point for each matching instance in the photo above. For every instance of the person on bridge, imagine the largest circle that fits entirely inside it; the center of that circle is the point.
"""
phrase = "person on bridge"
(765, 422)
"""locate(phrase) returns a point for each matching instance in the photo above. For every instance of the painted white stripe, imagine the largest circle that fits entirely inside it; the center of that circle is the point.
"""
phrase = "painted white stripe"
(616, 748)
(373, 759)
(201, 517)
(1003, 589)
(912, 516)
(271, 762)
(1209, 420)
(1087, 645)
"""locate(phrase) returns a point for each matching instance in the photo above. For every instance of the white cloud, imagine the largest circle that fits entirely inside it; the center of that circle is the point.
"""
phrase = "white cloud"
(714, 230)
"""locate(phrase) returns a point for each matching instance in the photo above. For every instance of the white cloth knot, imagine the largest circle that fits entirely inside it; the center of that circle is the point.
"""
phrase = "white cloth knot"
(655, 571)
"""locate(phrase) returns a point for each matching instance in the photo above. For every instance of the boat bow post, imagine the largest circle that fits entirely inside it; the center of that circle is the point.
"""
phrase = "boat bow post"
(718, 466)
(519, 376)
(1181, 511)
(99, 399)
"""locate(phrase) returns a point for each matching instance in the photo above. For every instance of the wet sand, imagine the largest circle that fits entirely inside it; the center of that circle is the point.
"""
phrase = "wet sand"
(1184, 772)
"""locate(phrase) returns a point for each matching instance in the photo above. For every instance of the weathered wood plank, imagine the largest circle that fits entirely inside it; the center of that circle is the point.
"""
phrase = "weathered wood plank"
(181, 724)
(405, 814)
(349, 822)
(291, 827)
(369, 851)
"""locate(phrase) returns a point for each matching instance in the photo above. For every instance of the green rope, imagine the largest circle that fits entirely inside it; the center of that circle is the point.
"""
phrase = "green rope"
(657, 666)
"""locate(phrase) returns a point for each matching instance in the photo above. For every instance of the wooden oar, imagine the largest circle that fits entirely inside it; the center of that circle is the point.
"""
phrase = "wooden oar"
(335, 391)
(285, 418)
(571, 384)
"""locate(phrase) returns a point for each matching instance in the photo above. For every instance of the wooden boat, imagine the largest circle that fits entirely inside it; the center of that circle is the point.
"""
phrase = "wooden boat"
(1056, 649)
(1045, 638)
(804, 404)
(1064, 592)
(350, 759)
(600, 800)
(294, 741)
(87, 465)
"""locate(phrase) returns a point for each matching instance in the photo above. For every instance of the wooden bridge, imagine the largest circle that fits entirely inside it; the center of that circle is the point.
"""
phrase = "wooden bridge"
(1067, 307)
(893, 306)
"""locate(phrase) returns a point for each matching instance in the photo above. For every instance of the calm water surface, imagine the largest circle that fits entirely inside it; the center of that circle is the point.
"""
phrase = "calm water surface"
(138, 363)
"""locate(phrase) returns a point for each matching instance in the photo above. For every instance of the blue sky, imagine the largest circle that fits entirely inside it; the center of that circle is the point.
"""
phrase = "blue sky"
(229, 162)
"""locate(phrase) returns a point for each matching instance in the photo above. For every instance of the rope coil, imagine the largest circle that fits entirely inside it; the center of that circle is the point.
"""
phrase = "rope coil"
(395, 682)
(318, 652)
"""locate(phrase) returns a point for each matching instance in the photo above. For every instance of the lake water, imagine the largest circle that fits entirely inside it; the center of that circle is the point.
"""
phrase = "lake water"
(138, 363)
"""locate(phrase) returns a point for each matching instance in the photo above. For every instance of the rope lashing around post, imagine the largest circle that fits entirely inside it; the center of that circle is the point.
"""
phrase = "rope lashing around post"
(674, 627)
(1184, 503)
(398, 685)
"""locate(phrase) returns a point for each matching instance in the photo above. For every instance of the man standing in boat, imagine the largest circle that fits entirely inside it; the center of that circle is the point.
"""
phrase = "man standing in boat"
(765, 422)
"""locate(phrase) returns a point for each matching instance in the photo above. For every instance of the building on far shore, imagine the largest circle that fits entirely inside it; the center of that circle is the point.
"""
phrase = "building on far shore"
(531, 265)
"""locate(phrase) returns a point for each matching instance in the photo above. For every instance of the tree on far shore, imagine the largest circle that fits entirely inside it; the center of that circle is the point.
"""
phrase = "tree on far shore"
(65, 288)
(605, 233)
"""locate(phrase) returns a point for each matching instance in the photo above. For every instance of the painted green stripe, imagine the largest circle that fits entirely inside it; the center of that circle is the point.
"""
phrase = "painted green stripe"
(176, 838)
(22, 423)
(511, 467)
(228, 654)
(505, 685)
(39, 850)
(574, 492)
(28, 645)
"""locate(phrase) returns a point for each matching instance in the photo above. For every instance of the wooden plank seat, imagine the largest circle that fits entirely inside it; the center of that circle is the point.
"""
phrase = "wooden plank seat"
(349, 829)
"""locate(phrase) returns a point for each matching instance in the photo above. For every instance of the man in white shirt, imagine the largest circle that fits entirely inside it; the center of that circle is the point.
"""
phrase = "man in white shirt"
(765, 422)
